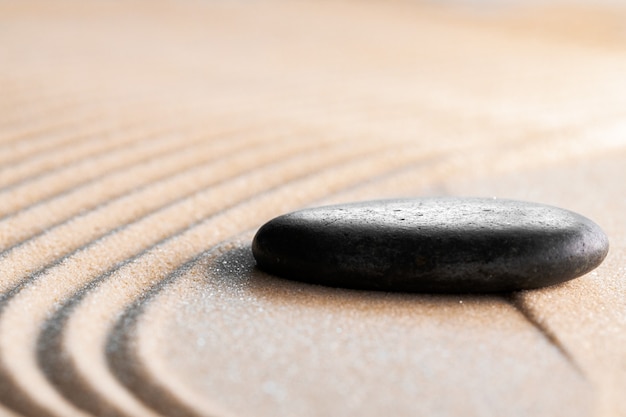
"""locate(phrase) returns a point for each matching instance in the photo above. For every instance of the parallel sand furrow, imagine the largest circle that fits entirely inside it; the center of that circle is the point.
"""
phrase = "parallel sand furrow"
(388, 66)
(38, 218)
(37, 116)
(41, 113)
(153, 265)
(74, 273)
(158, 389)
(53, 245)
(109, 297)
(74, 153)
(48, 139)
(12, 154)
(377, 166)
(78, 328)
(82, 171)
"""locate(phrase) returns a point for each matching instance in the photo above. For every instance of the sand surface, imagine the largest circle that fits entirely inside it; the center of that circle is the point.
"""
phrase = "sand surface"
(143, 143)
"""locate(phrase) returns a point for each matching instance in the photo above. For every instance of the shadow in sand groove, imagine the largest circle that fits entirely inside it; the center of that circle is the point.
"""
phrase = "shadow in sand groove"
(123, 359)
(233, 265)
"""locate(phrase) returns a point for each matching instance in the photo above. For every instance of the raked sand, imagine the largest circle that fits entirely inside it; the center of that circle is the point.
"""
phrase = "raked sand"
(143, 143)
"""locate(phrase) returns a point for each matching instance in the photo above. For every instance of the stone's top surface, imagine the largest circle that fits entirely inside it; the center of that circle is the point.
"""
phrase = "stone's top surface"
(441, 214)
(431, 244)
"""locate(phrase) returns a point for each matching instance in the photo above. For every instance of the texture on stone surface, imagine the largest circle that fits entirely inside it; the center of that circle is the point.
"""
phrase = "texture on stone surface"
(431, 245)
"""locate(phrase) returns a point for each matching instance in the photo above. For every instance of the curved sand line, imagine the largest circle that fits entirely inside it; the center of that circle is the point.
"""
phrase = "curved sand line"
(32, 151)
(83, 314)
(73, 175)
(27, 223)
(149, 387)
(347, 71)
(155, 224)
(38, 252)
(230, 284)
(196, 238)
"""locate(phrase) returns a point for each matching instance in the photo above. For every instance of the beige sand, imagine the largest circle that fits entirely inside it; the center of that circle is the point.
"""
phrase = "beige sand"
(141, 144)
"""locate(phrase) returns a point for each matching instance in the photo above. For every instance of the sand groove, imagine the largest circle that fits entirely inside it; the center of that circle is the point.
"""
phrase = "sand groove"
(83, 146)
(106, 189)
(49, 184)
(51, 139)
(170, 194)
(88, 317)
(133, 338)
(121, 347)
(142, 144)
(159, 225)
(90, 302)
(45, 120)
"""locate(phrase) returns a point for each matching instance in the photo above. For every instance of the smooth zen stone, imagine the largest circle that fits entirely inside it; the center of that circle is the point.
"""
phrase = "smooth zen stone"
(431, 245)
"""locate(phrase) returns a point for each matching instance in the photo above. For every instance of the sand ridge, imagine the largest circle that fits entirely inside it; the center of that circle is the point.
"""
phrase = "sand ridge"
(142, 144)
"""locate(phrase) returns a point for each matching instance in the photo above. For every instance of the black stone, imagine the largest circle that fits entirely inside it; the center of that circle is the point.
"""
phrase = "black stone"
(431, 245)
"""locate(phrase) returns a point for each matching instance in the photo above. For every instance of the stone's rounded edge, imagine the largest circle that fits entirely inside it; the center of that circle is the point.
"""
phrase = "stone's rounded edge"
(259, 248)
(595, 246)
(279, 245)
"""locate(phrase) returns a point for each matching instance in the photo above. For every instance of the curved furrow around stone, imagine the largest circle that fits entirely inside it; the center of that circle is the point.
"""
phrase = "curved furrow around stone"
(169, 396)
(22, 317)
(39, 218)
(121, 348)
(86, 362)
(366, 353)
(53, 245)
(150, 383)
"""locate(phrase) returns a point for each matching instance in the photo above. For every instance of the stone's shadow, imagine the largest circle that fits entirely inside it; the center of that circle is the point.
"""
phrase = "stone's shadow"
(484, 338)
(238, 263)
